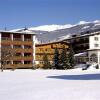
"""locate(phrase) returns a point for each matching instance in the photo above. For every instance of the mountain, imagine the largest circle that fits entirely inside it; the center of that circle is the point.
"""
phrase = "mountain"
(49, 33)
(50, 28)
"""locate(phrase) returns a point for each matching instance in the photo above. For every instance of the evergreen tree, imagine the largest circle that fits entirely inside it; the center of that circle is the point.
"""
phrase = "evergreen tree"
(71, 57)
(46, 64)
(64, 61)
(56, 58)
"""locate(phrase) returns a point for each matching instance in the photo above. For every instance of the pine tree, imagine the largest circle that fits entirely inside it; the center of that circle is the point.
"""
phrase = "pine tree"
(56, 58)
(64, 61)
(71, 57)
(46, 64)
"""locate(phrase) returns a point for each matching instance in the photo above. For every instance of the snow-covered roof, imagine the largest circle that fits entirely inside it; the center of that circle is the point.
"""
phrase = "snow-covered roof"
(22, 32)
(80, 54)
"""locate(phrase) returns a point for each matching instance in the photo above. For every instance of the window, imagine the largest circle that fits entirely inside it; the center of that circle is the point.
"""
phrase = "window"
(96, 45)
(41, 49)
(93, 58)
(27, 46)
(45, 49)
(27, 62)
(17, 46)
(96, 38)
(18, 54)
(6, 46)
(27, 54)
(16, 62)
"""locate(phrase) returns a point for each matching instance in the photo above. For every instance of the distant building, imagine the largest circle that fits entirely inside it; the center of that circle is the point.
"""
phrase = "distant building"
(86, 47)
(23, 43)
(48, 48)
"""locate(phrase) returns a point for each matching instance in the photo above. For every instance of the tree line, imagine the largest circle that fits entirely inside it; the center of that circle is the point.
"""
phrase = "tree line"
(63, 60)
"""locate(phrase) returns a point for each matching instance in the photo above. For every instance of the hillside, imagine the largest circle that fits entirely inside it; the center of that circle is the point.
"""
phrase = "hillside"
(49, 33)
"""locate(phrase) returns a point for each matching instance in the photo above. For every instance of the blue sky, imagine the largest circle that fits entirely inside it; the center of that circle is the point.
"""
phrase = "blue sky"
(21, 13)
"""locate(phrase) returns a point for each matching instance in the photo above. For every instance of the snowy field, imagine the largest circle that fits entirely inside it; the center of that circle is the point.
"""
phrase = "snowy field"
(50, 85)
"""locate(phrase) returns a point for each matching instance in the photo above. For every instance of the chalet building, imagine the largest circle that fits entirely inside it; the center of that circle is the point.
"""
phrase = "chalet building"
(86, 47)
(48, 49)
(23, 44)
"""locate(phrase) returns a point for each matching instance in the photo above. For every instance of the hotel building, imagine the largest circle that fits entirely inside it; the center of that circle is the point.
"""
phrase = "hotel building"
(23, 44)
(48, 49)
(86, 47)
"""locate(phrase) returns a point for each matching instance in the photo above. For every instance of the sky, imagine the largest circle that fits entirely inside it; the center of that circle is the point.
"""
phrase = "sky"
(30, 13)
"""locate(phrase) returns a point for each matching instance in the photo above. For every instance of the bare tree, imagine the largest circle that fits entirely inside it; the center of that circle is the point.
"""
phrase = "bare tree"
(6, 56)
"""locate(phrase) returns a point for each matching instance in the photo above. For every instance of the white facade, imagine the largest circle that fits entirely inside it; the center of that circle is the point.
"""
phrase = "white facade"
(94, 49)
(94, 42)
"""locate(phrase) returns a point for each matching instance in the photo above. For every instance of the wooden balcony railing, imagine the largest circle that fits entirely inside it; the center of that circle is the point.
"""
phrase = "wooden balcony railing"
(27, 39)
(16, 41)
(15, 66)
(19, 50)
(5, 38)
(15, 58)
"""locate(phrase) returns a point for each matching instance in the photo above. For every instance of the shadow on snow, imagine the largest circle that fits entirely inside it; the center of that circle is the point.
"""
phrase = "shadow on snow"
(77, 77)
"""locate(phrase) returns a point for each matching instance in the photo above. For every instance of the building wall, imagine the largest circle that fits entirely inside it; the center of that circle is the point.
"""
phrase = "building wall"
(24, 47)
(48, 49)
(80, 44)
(94, 42)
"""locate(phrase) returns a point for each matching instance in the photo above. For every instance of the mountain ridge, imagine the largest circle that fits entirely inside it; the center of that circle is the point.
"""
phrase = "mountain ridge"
(60, 32)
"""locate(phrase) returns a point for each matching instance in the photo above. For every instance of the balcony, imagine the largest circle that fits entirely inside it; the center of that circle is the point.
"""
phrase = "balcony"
(27, 39)
(15, 66)
(15, 58)
(20, 50)
(6, 40)
(16, 41)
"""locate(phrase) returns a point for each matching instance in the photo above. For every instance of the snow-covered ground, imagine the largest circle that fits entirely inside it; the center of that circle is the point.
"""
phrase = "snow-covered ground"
(50, 84)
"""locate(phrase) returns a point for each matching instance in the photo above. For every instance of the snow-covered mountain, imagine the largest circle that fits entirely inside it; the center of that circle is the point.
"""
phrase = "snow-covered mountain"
(48, 28)
(47, 33)
(51, 27)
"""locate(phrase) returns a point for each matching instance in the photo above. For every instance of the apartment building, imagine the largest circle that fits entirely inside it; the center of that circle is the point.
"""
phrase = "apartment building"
(23, 44)
(48, 49)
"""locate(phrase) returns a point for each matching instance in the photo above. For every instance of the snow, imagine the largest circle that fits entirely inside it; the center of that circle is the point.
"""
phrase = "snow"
(98, 24)
(64, 37)
(83, 22)
(16, 30)
(96, 21)
(81, 54)
(50, 84)
(52, 27)
(48, 28)
(86, 27)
